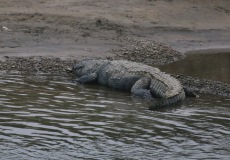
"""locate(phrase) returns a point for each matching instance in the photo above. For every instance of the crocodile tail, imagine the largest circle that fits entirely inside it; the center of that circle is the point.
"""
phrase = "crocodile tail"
(167, 101)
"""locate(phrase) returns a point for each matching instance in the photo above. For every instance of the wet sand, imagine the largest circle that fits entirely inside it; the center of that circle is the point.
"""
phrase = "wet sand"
(93, 27)
(154, 32)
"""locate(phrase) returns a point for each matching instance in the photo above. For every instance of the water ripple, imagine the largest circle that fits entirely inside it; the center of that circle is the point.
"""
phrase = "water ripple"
(49, 118)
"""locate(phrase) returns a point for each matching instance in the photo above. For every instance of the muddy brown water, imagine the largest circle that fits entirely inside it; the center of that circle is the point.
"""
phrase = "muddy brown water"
(50, 118)
(214, 66)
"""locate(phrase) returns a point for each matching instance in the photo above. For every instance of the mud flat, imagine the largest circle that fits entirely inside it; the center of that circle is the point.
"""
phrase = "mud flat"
(47, 37)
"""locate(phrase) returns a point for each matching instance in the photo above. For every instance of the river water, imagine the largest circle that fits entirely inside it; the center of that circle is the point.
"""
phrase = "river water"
(215, 66)
(49, 118)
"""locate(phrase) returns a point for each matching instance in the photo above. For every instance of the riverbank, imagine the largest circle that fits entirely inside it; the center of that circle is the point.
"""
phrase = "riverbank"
(44, 37)
(44, 65)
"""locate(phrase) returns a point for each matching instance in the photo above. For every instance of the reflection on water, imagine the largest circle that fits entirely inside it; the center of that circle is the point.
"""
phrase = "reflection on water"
(211, 66)
(49, 118)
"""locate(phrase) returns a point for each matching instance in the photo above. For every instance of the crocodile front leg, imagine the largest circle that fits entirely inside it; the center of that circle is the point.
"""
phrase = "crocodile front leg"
(89, 78)
(141, 88)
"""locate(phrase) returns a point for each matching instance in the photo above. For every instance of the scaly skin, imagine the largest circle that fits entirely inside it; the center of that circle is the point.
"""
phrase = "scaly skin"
(140, 79)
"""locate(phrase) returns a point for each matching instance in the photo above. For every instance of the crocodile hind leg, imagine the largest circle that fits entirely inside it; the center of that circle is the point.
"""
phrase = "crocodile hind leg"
(141, 88)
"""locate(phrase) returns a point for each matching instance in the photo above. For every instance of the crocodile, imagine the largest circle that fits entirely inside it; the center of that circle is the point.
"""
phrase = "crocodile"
(141, 80)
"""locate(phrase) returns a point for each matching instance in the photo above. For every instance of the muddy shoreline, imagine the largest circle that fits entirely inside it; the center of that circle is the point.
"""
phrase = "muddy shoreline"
(43, 65)
(43, 37)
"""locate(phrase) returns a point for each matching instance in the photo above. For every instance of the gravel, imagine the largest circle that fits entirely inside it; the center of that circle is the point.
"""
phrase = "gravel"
(148, 52)
(36, 65)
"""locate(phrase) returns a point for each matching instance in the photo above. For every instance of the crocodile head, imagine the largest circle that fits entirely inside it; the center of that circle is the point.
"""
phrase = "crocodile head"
(86, 67)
